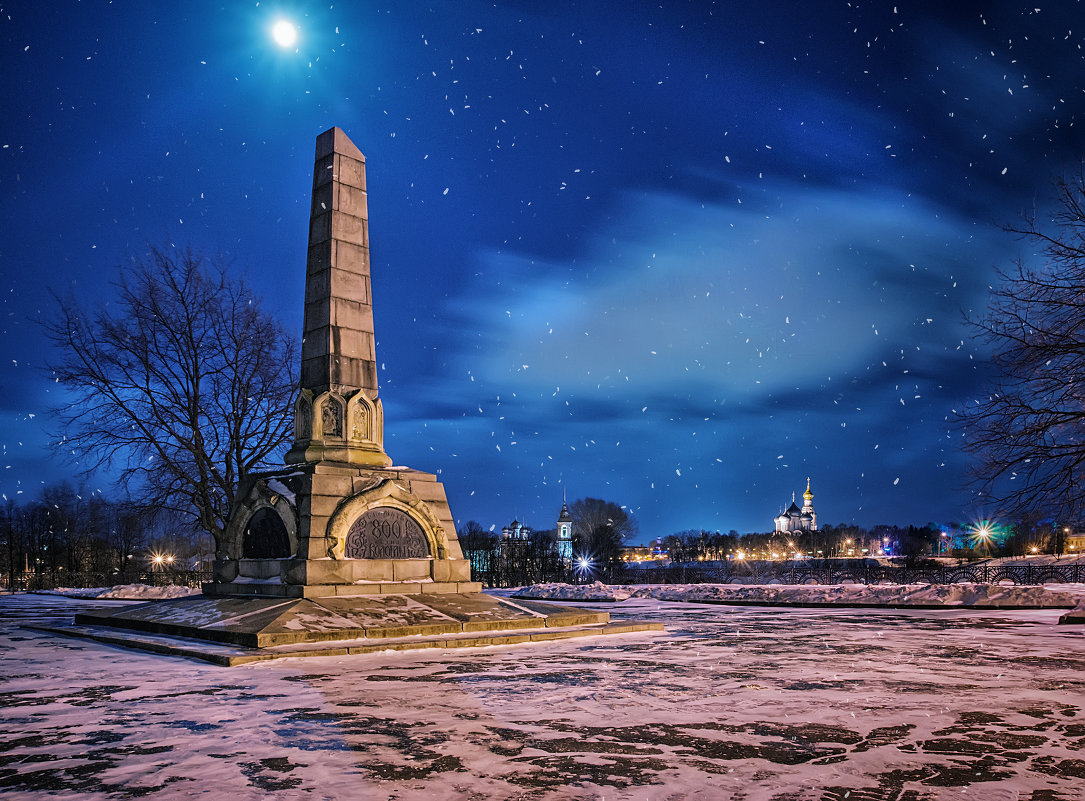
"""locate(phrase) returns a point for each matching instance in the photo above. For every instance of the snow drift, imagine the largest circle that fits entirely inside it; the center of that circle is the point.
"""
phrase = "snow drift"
(964, 595)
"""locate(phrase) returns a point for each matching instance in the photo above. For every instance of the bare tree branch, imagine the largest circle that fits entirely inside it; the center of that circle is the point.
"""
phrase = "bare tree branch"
(184, 385)
(1027, 436)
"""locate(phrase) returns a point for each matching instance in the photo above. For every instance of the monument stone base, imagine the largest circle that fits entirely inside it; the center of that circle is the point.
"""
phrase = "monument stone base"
(294, 533)
(233, 631)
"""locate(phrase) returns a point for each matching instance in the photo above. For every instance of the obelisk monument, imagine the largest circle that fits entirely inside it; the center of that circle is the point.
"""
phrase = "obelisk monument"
(339, 518)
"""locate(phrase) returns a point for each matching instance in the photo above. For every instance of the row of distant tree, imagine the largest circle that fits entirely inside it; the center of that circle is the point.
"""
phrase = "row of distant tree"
(183, 385)
(65, 531)
(598, 545)
(1021, 538)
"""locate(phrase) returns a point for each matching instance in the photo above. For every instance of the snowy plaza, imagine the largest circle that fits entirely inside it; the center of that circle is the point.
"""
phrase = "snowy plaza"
(730, 702)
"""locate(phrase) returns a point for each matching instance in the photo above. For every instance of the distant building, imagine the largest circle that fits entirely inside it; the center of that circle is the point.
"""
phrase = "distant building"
(565, 532)
(796, 519)
(515, 540)
(652, 552)
(516, 531)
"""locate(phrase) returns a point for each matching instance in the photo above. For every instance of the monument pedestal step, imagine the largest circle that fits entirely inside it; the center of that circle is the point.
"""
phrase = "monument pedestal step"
(265, 622)
(232, 655)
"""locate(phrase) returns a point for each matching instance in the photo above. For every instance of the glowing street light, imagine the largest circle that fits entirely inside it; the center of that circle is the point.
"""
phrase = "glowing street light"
(983, 534)
(160, 560)
(583, 566)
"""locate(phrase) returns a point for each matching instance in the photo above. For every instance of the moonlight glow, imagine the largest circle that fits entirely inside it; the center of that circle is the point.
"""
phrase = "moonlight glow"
(284, 33)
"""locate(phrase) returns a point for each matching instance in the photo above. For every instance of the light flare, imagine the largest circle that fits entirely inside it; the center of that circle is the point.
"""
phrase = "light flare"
(284, 33)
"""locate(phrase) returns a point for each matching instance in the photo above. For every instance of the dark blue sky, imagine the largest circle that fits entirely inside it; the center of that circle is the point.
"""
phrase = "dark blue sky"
(680, 257)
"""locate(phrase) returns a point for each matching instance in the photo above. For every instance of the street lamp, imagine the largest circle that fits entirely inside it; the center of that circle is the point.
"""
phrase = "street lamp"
(159, 561)
(583, 567)
(983, 534)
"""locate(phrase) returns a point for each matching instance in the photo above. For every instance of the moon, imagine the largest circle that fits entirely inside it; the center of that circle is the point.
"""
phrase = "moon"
(284, 33)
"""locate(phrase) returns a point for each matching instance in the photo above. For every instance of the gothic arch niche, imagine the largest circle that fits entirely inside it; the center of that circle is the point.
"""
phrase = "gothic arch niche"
(303, 416)
(265, 536)
(362, 416)
(330, 417)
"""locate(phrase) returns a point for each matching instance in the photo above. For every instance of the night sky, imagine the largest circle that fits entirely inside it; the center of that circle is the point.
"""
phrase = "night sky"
(678, 255)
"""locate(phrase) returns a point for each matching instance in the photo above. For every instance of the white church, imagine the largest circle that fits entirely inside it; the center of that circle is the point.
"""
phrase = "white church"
(518, 532)
(796, 519)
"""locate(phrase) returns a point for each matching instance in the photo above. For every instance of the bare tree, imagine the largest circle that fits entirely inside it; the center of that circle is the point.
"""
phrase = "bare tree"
(182, 383)
(599, 528)
(1028, 433)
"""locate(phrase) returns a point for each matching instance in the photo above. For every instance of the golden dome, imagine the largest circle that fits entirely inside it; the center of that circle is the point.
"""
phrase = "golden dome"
(808, 495)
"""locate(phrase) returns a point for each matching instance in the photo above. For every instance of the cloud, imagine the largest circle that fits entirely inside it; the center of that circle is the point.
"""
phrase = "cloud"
(750, 303)
(697, 360)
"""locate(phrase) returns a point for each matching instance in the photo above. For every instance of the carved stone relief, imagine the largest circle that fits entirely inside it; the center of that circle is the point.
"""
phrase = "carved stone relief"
(332, 418)
(386, 533)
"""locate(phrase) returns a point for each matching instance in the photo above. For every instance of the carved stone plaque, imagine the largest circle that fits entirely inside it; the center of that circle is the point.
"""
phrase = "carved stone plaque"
(386, 533)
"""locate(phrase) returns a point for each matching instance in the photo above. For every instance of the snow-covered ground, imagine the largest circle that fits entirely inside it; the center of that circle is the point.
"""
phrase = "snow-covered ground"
(730, 703)
(127, 592)
(963, 594)
(1035, 561)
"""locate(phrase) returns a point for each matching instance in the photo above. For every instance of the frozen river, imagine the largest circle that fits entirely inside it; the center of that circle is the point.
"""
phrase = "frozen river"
(729, 703)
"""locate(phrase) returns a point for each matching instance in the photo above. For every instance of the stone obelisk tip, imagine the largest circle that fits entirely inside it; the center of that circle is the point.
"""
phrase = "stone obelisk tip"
(334, 140)
(338, 350)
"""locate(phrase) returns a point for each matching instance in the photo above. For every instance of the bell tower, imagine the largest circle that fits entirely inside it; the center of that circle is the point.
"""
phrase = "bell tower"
(808, 506)
(565, 531)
